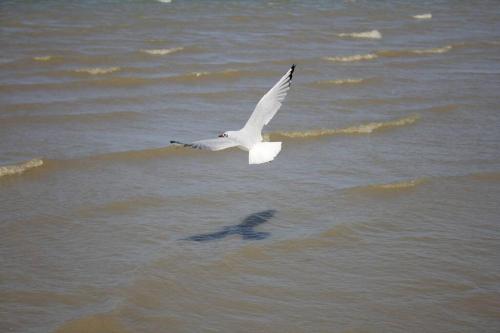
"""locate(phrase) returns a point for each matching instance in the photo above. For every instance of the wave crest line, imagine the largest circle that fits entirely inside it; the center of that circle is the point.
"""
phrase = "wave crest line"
(367, 128)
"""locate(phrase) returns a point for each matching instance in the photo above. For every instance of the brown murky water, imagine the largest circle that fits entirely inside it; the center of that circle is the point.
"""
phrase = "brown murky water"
(379, 215)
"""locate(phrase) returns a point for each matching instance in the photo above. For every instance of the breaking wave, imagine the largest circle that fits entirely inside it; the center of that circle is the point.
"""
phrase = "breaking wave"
(43, 58)
(85, 161)
(390, 53)
(367, 128)
(356, 57)
(222, 74)
(198, 74)
(438, 50)
(97, 70)
(175, 150)
(374, 34)
(400, 53)
(426, 16)
(339, 82)
(17, 169)
(163, 51)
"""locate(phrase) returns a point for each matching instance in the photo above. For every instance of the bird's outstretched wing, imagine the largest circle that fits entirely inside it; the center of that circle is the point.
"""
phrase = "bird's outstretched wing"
(209, 144)
(209, 237)
(270, 103)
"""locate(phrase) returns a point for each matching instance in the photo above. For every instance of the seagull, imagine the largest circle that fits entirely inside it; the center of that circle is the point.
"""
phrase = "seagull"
(249, 138)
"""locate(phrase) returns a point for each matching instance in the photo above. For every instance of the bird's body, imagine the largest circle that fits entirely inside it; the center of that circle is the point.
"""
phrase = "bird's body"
(249, 138)
(246, 140)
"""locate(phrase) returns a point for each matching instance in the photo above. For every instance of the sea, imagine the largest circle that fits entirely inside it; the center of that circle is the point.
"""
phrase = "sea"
(380, 214)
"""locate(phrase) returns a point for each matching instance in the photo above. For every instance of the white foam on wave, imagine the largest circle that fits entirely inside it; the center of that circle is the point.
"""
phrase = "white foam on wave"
(361, 129)
(97, 70)
(339, 82)
(374, 34)
(165, 1)
(163, 51)
(43, 58)
(436, 50)
(356, 57)
(20, 168)
(198, 74)
(224, 73)
(426, 16)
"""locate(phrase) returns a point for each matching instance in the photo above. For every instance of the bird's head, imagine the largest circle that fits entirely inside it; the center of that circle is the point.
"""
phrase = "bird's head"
(224, 135)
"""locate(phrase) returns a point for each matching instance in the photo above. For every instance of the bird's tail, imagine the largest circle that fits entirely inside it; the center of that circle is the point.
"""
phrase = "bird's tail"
(263, 152)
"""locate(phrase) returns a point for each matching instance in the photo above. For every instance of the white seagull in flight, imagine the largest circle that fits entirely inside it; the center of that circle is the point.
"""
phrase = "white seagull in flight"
(249, 138)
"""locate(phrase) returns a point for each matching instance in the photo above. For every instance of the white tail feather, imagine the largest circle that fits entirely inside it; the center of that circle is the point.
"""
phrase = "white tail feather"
(263, 152)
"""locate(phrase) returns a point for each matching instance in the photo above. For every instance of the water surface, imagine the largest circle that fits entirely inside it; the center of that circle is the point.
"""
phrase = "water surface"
(380, 213)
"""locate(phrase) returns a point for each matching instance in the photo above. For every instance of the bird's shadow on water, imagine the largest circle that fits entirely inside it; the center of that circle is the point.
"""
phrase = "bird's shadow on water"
(245, 229)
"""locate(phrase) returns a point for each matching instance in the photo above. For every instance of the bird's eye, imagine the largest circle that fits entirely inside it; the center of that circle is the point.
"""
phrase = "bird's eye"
(225, 135)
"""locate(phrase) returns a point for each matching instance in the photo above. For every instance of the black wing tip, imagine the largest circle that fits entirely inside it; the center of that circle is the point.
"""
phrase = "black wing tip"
(194, 146)
(290, 76)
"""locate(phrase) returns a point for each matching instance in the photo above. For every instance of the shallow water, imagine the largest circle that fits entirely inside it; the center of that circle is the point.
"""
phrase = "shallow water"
(380, 213)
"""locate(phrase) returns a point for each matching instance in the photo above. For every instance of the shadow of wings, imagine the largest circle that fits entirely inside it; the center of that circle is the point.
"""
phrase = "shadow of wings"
(245, 229)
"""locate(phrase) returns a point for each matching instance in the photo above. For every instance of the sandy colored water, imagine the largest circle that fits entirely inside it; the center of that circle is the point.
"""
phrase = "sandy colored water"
(379, 215)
